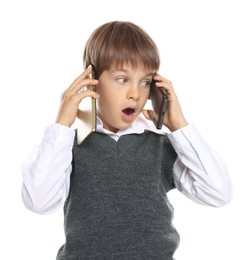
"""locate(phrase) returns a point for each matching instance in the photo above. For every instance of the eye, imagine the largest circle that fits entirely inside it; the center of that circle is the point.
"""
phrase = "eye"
(121, 80)
(145, 83)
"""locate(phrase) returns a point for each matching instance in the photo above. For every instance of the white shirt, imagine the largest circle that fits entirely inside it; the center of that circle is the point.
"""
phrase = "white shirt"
(199, 172)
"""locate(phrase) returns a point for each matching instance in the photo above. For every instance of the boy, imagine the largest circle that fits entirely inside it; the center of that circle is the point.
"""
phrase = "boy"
(114, 185)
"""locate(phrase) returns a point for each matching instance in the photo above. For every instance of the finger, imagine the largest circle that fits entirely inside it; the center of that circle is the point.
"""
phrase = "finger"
(166, 84)
(81, 86)
(87, 93)
(160, 79)
(81, 77)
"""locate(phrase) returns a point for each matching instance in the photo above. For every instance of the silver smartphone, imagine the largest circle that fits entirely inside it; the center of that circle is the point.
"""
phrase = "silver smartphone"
(159, 101)
(86, 116)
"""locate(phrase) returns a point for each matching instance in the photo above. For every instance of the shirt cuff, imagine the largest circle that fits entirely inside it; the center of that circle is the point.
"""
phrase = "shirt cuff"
(186, 136)
(57, 133)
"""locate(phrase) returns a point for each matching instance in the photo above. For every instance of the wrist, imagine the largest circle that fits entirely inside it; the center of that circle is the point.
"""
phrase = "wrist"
(177, 125)
(63, 122)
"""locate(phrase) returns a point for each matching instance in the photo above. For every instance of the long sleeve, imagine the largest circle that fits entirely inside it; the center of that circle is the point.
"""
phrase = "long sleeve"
(199, 172)
(46, 171)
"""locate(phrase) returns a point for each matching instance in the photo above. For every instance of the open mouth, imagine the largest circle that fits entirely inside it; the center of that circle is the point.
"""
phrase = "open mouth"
(128, 111)
(128, 114)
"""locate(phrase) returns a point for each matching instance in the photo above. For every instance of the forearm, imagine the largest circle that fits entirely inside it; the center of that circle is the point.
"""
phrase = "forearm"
(46, 171)
(199, 172)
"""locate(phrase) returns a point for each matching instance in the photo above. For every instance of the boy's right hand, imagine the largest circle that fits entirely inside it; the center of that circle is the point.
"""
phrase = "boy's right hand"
(72, 97)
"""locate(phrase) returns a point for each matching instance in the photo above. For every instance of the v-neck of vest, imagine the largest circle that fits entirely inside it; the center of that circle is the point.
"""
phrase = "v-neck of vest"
(119, 147)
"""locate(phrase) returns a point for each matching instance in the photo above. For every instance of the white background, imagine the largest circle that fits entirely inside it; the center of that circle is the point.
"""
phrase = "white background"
(205, 52)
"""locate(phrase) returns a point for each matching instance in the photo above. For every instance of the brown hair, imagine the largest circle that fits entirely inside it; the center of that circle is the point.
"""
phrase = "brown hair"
(116, 43)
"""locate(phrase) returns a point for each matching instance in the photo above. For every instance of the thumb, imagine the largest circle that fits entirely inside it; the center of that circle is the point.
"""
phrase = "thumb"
(147, 113)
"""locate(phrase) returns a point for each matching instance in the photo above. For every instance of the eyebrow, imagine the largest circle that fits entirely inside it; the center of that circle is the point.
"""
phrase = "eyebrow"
(125, 70)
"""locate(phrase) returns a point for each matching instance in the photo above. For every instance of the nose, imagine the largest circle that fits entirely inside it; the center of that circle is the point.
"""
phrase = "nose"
(133, 92)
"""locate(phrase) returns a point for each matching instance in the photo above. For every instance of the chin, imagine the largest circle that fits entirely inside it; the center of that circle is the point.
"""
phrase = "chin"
(120, 127)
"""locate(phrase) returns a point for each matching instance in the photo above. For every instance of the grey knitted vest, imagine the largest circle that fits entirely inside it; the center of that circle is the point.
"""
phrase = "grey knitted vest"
(117, 208)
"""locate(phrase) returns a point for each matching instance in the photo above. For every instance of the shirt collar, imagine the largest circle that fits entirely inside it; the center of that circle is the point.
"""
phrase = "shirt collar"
(137, 127)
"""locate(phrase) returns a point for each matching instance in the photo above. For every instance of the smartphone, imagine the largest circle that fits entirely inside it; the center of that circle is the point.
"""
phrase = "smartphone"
(159, 101)
(86, 116)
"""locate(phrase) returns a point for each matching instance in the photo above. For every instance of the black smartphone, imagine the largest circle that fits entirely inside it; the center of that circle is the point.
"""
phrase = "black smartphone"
(159, 100)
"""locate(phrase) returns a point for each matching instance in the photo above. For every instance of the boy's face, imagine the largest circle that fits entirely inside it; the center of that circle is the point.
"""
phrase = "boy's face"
(123, 94)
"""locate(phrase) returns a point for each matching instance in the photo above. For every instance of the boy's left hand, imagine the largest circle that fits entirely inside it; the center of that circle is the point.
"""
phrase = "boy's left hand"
(174, 118)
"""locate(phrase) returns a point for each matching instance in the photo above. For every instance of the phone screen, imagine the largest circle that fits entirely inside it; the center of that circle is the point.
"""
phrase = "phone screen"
(158, 98)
